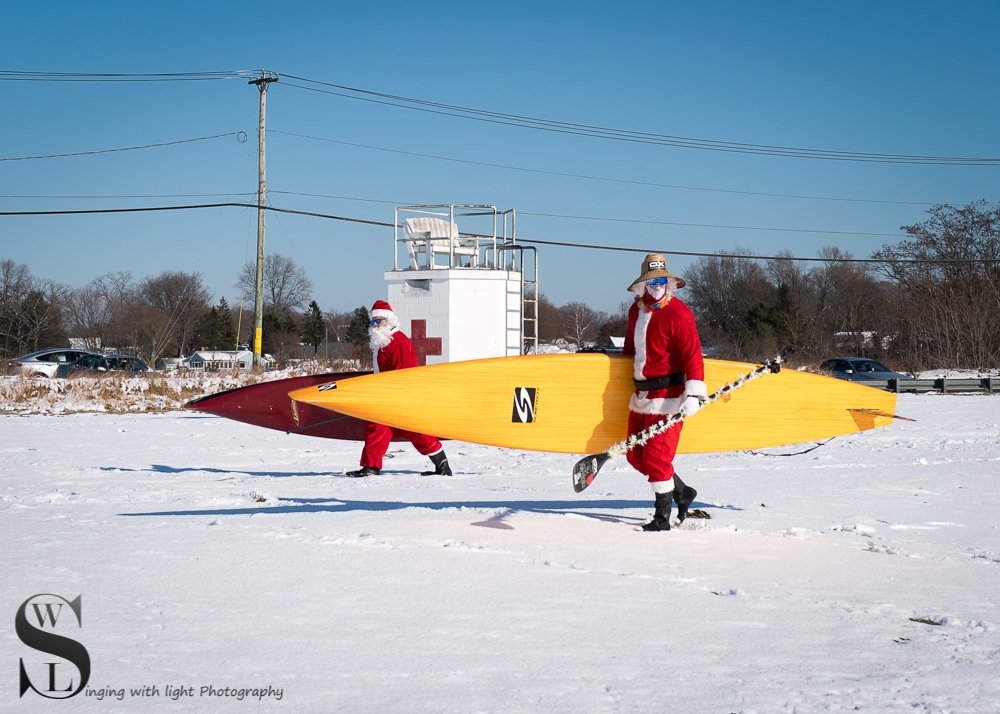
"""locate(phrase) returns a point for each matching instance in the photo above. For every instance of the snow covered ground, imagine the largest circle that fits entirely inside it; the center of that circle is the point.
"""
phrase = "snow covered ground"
(861, 576)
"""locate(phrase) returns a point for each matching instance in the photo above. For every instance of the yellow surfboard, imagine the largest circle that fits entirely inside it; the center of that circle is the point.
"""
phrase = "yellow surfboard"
(578, 403)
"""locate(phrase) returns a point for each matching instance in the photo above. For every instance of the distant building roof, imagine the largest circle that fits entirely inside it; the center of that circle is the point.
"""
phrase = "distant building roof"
(223, 359)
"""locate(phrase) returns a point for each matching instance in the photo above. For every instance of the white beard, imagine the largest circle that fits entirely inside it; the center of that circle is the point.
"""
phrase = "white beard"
(379, 337)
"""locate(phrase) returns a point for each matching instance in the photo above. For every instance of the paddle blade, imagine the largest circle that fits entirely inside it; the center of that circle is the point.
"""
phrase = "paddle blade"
(585, 470)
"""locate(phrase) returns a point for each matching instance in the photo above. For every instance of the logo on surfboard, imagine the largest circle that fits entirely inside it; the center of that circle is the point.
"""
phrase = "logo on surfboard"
(524, 405)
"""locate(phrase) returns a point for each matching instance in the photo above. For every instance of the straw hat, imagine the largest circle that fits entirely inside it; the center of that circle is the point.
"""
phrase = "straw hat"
(654, 265)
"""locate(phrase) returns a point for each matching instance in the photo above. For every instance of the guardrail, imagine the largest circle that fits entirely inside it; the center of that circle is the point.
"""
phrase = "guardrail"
(944, 385)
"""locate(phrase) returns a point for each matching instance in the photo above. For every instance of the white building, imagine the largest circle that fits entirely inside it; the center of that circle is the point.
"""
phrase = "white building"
(462, 294)
(219, 360)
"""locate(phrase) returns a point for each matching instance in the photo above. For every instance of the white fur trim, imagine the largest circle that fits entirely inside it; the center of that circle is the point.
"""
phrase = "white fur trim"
(663, 486)
(639, 361)
(640, 403)
(389, 315)
(695, 388)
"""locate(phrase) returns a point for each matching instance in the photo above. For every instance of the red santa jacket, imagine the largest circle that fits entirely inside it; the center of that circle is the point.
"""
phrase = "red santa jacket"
(664, 342)
(398, 354)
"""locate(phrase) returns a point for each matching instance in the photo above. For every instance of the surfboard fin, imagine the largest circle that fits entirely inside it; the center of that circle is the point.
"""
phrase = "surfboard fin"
(880, 413)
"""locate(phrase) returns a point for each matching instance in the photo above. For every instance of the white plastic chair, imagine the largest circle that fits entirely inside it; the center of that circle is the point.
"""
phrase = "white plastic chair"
(435, 236)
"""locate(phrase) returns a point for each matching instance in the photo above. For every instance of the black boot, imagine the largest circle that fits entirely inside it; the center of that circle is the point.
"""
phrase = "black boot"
(364, 471)
(441, 467)
(661, 516)
(684, 496)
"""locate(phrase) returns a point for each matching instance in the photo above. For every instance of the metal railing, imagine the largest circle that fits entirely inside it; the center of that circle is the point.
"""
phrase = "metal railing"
(942, 385)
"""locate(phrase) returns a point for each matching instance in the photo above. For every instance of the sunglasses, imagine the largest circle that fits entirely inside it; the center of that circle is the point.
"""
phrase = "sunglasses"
(376, 321)
(657, 281)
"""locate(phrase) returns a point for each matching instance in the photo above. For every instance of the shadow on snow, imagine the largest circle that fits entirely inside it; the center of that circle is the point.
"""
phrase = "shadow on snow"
(582, 508)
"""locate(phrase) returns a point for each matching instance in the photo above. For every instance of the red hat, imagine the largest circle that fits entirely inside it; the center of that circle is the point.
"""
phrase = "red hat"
(382, 309)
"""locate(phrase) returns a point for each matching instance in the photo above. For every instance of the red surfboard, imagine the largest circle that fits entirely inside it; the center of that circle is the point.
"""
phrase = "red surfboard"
(267, 405)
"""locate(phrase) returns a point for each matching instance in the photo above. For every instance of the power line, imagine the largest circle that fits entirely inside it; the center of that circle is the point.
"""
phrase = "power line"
(591, 177)
(343, 198)
(23, 76)
(137, 195)
(518, 120)
(140, 209)
(788, 258)
(714, 225)
(227, 204)
(241, 137)
(638, 221)
(539, 241)
(600, 132)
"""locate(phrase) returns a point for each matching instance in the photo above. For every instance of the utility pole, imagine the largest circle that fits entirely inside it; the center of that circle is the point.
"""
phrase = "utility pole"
(262, 81)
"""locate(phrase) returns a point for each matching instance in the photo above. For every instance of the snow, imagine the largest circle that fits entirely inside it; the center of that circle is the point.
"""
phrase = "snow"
(958, 373)
(860, 576)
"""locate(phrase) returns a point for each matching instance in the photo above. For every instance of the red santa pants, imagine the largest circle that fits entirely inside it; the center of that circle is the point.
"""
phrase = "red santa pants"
(378, 436)
(655, 459)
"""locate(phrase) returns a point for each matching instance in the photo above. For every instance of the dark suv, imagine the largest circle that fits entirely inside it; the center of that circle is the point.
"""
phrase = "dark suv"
(859, 369)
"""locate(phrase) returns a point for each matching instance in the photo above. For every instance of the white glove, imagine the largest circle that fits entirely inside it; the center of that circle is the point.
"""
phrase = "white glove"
(696, 393)
(691, 406)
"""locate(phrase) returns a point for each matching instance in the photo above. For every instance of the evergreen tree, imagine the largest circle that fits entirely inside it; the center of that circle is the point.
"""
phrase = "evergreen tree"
(314, 327)
(206, 334)
(224, 321)
(215, 330)
(281, 335)
(357, 331)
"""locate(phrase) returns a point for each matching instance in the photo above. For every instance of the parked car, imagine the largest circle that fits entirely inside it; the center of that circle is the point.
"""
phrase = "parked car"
(96, 364)
(126, 363)
(859, 369)
(45, 363)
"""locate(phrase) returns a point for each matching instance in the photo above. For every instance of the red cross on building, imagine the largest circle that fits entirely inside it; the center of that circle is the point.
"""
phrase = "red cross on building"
(422, 344)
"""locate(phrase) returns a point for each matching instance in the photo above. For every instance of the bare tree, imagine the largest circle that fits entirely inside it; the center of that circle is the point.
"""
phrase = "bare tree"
(30, 310)
(725, 294)
(337, 323)
(549, 320)
(795, 308)
(614, 325)
(170, 306)
(15, 283)
(850, 306)
(581, 323)
(87, 316)
(953, 293)
(286, 286)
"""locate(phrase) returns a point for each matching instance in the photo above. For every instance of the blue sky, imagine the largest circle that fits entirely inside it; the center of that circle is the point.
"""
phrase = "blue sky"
(908, 78)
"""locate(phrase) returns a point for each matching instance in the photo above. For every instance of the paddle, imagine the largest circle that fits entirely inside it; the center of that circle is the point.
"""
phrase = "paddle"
(300, 429)
(585, 470)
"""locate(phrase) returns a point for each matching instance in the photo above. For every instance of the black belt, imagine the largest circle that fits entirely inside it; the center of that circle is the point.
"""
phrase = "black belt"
(668, 380)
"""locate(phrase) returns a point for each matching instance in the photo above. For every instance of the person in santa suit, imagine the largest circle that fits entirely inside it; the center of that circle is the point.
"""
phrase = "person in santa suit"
(392, 349)
(669, 375)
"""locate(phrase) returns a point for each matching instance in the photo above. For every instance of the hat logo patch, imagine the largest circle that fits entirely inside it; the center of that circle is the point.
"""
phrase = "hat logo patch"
(657, 265)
